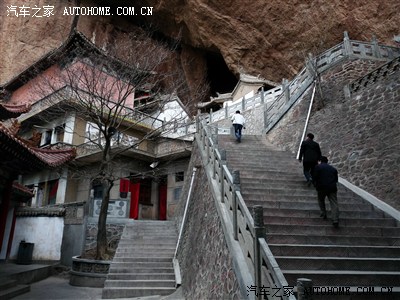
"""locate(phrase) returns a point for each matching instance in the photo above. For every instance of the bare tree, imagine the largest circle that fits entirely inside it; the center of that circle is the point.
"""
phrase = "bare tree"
(116, 96)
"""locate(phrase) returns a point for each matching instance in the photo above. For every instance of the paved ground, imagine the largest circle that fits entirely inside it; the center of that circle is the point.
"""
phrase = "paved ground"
(58, 287)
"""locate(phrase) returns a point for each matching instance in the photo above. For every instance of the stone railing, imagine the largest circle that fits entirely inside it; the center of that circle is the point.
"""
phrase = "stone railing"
(279, 100)
(247, 229)
(244, 104)
(375, 75)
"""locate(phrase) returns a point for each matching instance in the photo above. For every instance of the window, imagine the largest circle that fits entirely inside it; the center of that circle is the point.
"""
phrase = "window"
(179, 176)
(177, 193)
(46, 137)
(52, 191)
(97, 190)
(145, 192)
(59, 132)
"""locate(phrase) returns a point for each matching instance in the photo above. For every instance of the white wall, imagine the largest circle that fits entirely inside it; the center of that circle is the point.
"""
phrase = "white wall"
(45, 232)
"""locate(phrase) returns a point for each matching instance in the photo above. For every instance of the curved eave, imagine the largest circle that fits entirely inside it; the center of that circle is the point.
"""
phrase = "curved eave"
(8, 111)
(29, 158)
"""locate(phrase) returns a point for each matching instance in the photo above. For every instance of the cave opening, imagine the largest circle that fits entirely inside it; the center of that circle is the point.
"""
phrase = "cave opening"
(220, 78)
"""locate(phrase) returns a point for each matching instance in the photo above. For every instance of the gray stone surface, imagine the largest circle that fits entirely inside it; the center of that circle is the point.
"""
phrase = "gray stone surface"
(360, 135)
(205, 262)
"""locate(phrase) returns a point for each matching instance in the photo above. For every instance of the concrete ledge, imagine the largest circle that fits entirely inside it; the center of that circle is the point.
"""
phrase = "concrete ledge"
(87, 279)
(371, 199)
(88, 272)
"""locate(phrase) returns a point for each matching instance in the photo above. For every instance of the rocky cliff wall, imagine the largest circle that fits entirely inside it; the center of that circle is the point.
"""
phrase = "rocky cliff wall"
(270, 38)
(359, 134)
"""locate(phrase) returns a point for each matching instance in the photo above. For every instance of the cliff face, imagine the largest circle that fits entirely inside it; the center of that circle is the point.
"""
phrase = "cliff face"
(270, 38)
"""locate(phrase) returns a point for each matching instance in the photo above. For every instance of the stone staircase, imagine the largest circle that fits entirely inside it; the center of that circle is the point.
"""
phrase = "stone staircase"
(363, 252)
(142, 265)
(10, 289)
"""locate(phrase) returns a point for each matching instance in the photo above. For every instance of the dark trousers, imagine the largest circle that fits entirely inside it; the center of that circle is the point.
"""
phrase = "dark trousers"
(308, 169)
(238, 131)
(332, 197)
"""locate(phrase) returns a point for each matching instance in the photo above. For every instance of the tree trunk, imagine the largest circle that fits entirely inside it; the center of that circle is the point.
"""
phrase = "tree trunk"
(102, 228)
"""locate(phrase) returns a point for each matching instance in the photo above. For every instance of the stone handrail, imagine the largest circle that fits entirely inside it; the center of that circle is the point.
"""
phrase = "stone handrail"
(375, 75)
(249, 234)
(279, 100)
(133, 116)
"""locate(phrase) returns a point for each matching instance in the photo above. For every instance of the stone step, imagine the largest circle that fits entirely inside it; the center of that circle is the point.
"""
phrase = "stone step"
(297, 196)
(302, 205)
(141, 254)
(335, 250)
(142, 264)
(141, 276)
(151, 233)
(261, 163)
(363, 251)
(126, 292)
(122, 269)
(338, 263)
(308, 213)
(143, 258)
(316, 220)
(163, 251)
(148, 239)
(278, 238)
(328, 229)
(10, 289)
(344, 278)
(140, 283)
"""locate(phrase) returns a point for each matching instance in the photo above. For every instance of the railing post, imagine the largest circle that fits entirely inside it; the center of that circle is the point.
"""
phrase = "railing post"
(223, 162)
(203, 136)
(285, 87)
(236, 187)
(262, 95)
(375, 47)
(347, 48)
(243, 104)
(265, 116)
(259, 231)
(310, 66)
(214, 138)
(304, 289)
(226, 111)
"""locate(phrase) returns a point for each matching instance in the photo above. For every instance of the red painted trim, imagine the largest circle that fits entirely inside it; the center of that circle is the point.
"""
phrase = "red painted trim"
(4, 207)
(134, 209)
(11, 237)
(163, 202)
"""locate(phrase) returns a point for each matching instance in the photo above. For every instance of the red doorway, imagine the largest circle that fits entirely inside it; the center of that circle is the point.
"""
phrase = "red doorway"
(162, 202)
(134, 209)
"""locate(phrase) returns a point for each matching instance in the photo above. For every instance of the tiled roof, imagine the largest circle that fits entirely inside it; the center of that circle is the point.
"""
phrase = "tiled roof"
(40, 211)
(21, 189)
(75, 45)
(12, 111)
(34, 157)
(54, 157)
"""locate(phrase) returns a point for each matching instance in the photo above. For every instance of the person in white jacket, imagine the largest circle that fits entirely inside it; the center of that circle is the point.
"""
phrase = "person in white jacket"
(238, 122)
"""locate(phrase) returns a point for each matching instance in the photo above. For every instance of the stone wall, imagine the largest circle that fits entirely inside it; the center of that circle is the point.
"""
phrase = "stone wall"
(254, 121)
(205, 262)
(114, 232)
(359, 134)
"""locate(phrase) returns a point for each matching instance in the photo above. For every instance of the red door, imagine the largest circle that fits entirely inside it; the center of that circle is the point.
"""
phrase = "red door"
(134, 210)
(163, 202)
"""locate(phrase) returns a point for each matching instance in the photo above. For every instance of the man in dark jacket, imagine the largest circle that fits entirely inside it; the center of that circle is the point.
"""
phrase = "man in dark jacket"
(310, 153)
(325, 179)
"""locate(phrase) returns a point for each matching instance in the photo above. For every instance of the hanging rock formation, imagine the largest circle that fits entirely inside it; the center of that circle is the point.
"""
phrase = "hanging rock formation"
(270, 38)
